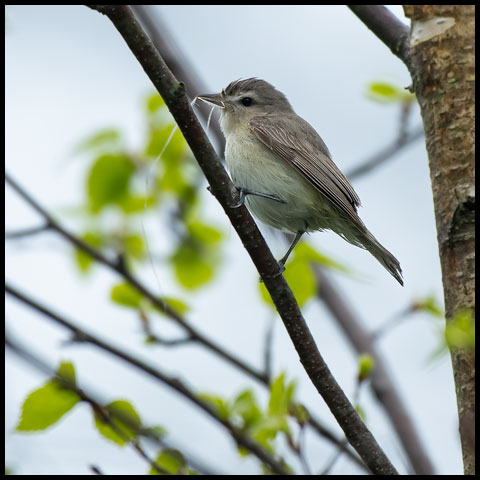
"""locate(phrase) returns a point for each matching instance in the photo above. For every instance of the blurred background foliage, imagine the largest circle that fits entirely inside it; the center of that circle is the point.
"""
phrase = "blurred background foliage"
(124, 186)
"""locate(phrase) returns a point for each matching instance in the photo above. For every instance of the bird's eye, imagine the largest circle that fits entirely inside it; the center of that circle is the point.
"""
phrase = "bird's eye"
(247, 101)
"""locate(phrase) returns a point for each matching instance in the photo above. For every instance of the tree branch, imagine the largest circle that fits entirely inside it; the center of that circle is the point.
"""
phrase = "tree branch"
(134, 282)
(326, 291)
(94, 400)
(385, 26)
(193, 334)
(173, 383)
(221, 186)
(382, 384)
(26, 232)
(384, 154)
(105, 415)
(176, 62)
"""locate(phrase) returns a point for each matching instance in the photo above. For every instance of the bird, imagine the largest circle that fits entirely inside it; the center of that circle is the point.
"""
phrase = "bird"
(284, 171)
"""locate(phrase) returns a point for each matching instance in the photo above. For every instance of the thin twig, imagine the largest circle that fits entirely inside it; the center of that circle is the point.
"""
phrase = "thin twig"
(118, 266)
(331, 463)
(385, 154)
(173, 383)
(267, 350)
(148, 434)
(302, 448)
(98, 408)
(26, 232)
(382, 384)
(96, 470)
(385, 25)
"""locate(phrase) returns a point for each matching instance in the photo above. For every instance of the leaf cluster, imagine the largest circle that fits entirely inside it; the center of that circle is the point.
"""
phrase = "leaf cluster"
(117, 421)
(123, 186)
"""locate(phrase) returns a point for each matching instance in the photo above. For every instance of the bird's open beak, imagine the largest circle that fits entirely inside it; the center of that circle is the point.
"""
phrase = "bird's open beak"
(214, 99)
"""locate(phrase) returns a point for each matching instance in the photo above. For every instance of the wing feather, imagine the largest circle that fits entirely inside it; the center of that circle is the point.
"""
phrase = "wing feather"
(299, 144)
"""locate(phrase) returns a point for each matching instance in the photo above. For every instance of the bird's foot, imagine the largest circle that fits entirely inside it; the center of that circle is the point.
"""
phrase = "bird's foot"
(282, 269)
(246, 191)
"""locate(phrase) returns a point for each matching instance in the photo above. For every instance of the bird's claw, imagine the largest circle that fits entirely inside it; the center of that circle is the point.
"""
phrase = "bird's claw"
(246, 191)
(282, 269)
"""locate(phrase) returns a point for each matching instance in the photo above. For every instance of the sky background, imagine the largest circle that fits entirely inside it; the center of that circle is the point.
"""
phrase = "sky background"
(68, 74)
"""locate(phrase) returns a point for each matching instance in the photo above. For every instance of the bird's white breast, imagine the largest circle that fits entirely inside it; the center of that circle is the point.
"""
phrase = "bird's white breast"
(252, 165)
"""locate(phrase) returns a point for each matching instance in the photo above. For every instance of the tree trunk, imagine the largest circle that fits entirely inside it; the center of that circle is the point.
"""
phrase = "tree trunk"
(442, 65)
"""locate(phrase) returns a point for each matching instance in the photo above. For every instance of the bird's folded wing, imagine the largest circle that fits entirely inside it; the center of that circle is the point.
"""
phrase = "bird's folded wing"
(296, 142)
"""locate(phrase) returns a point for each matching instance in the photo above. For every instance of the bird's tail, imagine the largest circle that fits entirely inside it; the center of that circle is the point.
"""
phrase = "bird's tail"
(383, 256)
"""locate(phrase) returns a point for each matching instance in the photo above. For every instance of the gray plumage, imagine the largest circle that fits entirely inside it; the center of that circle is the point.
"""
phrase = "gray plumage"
(270, 149)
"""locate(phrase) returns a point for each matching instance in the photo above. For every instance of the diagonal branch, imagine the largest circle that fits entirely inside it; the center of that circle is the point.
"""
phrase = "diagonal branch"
(119, 267)
(222, 188)
(382, 384)
(327, 292)
(105, 415)
(173, 383)
(193, 335)
(26, 232)
(385, 154)
(176, 62)
(386, 26)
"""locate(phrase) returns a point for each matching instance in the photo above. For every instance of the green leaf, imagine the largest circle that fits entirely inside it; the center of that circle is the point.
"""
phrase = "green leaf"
(361, 412)
(245, 406)
(66, 371)
(83, 260)
(172, 461)
(125, 419)
(388, 93)
(303, 251)
(108, 181)
(299, 274)
(281, 396)
(460, 330)
(221, 406)
(135, 204)
(173, 181)
(156, 431)
(300, 278)
(135, 246)
(189, 196)
(265, 295)
(383, 89)
(268, 428)
(300, 413)
(154, 103)
(190, 267)
(429, 305)
(365, 366)
(158, 142)
(104, 140)
(176, 304)
(124, 294)
(46, 405)
(204, 233)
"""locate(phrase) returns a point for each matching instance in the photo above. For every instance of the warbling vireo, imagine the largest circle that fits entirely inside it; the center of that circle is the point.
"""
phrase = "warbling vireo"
(281, 163)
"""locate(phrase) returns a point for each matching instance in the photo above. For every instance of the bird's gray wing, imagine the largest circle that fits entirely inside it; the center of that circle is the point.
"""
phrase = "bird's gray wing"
(296, 142)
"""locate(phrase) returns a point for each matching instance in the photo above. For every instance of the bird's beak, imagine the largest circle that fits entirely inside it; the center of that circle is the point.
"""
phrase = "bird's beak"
(214, 99)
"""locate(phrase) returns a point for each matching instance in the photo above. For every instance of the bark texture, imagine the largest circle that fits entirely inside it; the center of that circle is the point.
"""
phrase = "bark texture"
(441, 59)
